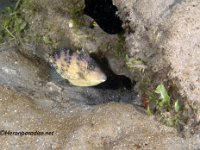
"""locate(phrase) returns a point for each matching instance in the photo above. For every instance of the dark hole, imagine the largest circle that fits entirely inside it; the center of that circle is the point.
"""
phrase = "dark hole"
(104, 13)
(113, 81)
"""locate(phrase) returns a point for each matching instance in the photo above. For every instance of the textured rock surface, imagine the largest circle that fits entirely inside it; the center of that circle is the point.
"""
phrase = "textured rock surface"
(110, 126)
(166, 37)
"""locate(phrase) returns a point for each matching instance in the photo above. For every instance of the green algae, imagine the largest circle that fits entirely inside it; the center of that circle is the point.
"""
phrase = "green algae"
(13, 23)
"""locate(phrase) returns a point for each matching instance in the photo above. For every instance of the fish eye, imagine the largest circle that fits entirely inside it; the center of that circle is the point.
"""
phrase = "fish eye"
(90, 67)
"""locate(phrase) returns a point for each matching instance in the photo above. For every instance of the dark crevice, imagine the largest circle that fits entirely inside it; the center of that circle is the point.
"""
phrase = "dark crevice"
(113, 81)
(104, 13)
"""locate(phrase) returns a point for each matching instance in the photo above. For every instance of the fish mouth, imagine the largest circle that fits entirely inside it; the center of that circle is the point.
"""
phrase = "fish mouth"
(103, 79)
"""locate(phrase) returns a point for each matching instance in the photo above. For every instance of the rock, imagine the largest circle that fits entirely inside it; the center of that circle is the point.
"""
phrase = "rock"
(165, 36)
(107, 126)
(182, 48)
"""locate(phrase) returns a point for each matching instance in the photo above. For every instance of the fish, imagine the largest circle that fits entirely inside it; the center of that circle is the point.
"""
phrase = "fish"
(77, 67)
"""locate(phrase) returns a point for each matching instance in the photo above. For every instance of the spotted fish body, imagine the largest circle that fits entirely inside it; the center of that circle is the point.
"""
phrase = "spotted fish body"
(77, 67)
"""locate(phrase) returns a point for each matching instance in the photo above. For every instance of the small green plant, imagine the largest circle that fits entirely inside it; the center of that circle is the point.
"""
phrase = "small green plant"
(159, 102)
(12, 23)
(134, 64)
(46, 39)
(164, 100)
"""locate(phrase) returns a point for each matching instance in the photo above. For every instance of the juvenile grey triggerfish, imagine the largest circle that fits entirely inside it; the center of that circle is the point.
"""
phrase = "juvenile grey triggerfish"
(77, 67)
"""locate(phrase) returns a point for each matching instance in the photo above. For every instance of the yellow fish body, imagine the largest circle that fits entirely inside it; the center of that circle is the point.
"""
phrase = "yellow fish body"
(77, 67)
